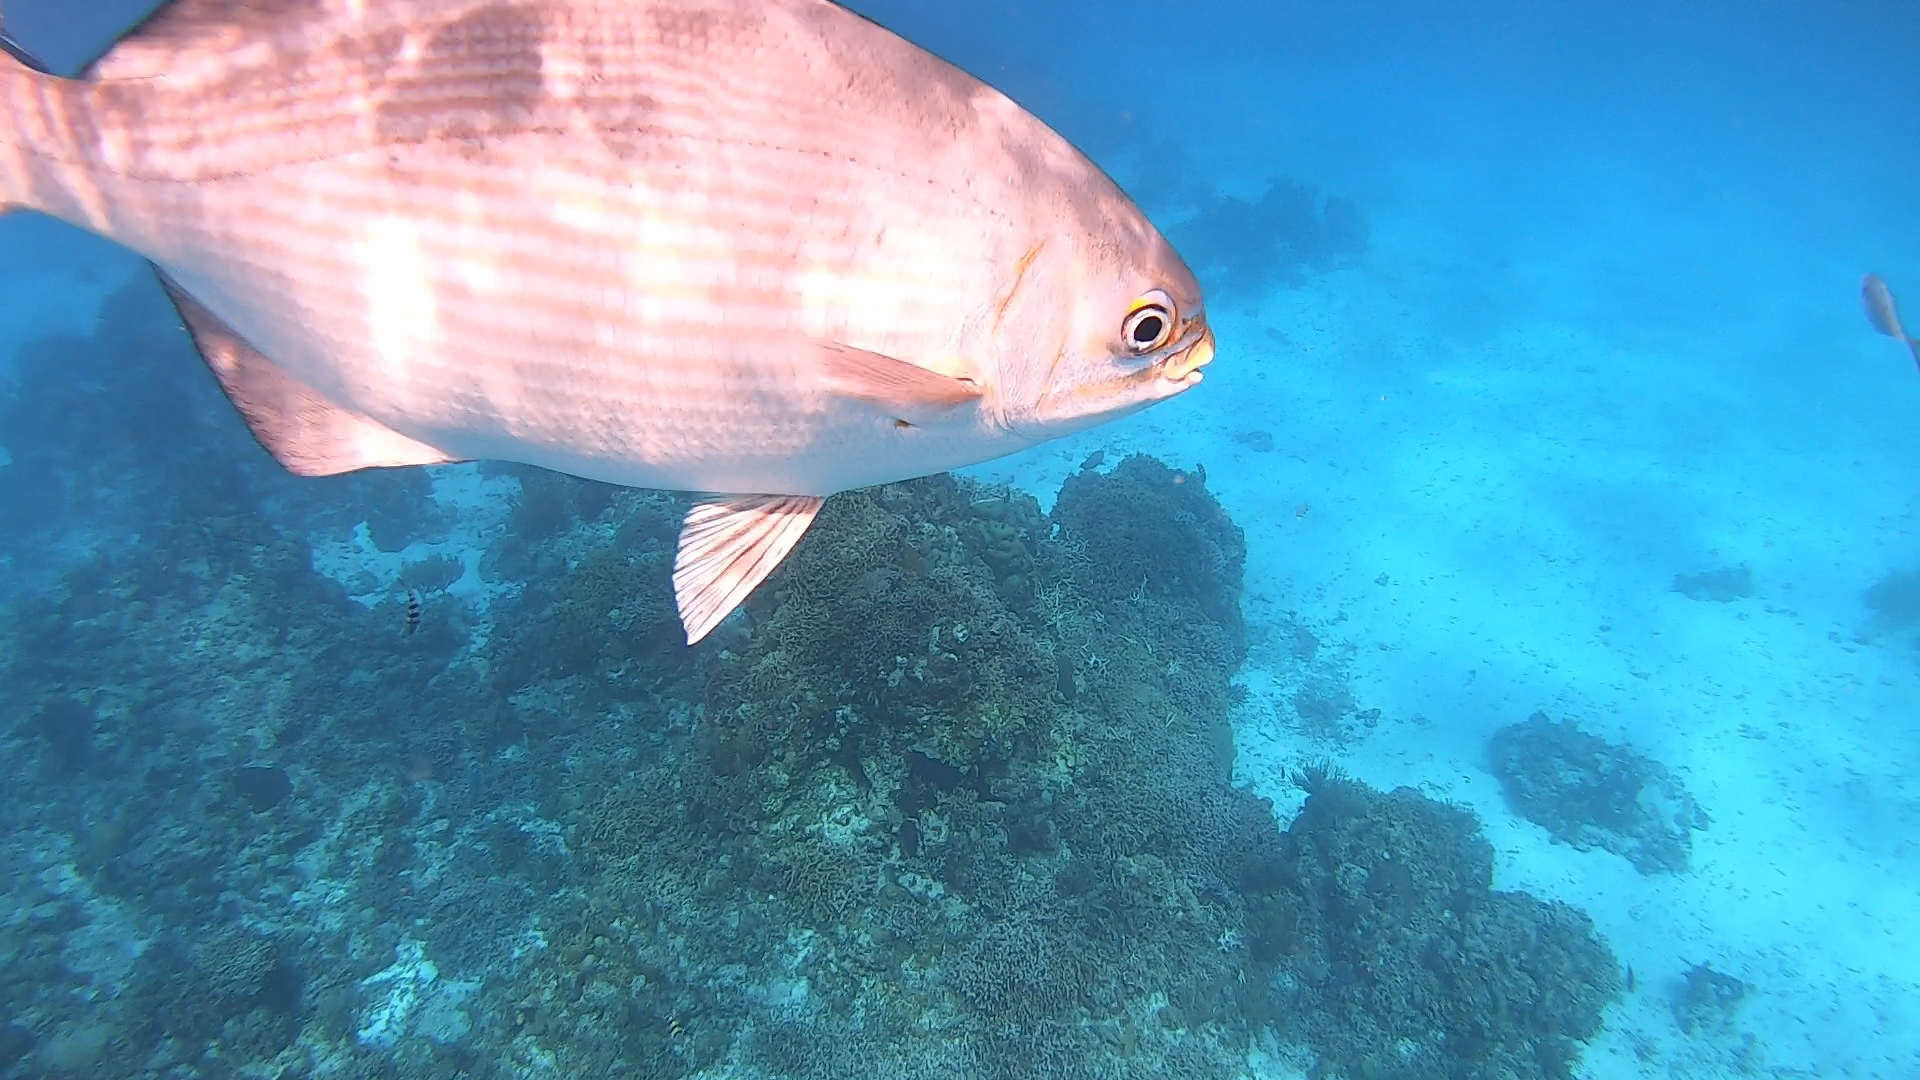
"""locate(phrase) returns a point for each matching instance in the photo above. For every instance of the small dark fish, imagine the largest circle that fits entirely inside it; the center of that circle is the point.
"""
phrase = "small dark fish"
(1882, 313)
(1631, 982)
(1093, 460)
(413, 611)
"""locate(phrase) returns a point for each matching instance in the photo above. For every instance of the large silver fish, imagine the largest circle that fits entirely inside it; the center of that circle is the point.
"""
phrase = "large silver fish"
(763, 250)
(1883, 315)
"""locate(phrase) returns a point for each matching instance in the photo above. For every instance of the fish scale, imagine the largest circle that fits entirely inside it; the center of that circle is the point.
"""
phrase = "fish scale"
(759, 249)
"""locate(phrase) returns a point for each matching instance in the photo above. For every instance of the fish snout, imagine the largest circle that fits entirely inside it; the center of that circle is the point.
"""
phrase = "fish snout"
(1111, 390)
(1184, 366)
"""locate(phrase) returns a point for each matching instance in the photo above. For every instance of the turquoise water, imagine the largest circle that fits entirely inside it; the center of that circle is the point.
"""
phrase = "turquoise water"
(1507, 663)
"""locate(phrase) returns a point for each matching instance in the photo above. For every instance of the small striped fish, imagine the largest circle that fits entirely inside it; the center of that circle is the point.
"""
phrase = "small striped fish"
(762, 250)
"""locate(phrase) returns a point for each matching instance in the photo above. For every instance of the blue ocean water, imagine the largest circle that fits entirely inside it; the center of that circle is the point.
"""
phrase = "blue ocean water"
(1507, 663)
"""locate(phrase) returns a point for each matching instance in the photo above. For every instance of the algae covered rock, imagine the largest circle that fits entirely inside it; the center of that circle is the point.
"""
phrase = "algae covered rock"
(1707, 1000)
(1591, 793)
(1154, 537)
(1401, 960)
(607, 613)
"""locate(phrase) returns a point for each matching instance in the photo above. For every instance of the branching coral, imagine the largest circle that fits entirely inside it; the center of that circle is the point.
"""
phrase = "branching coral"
(1019, 967)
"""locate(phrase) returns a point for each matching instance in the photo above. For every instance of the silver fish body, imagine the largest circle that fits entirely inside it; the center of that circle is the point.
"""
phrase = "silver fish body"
(1884, 315)
(754, 248)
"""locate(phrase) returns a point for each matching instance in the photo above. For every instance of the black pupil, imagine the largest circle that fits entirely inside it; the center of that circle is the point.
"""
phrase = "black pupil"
(1148, 329)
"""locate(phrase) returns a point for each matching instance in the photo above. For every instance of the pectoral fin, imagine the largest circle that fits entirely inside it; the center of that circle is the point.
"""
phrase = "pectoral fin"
(728, 546)
(304, 431)
(896, 386)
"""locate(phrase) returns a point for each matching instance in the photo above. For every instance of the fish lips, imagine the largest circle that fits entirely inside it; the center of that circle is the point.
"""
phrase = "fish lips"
(1065, 410)
(1183, 367)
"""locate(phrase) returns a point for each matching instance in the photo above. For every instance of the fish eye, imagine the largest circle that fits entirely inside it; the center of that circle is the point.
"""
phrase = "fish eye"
(1149, 324)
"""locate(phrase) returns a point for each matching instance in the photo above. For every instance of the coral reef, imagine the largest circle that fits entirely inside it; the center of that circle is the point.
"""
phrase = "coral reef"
(1152, 548)
(950, 798)
(1590, 793)
(1392, 956)
(605, 615)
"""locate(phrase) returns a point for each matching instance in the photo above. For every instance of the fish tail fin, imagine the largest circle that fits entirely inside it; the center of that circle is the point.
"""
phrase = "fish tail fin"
(24, 82)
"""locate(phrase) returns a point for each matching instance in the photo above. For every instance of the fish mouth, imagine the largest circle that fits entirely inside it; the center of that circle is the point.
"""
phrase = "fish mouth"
(1075, 408)
(1183, 367)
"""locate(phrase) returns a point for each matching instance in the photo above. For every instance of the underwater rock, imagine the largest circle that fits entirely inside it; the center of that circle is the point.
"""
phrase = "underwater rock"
(66, 725)
(233, 966)
(397, 505)
(608, 617)
(161, 438)
(81, 1048)
(227, 985)
(551, 502)
(1895, 601)
(1725, 585)
(1707, 1000)
(1398, 959)
(1260, 442)
(892, 640)
(16, 1043)
(1591, 793)
(1154, 538)
(432, 574)
(262, 786)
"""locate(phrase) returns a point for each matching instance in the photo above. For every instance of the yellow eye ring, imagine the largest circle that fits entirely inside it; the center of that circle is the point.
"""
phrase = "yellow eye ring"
(1149, 324)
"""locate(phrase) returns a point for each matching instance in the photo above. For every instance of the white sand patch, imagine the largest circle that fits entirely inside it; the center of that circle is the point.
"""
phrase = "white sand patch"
(479, 504)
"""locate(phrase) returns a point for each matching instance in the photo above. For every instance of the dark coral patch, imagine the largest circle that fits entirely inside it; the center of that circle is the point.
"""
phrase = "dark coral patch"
(263, 787)
(66, 725)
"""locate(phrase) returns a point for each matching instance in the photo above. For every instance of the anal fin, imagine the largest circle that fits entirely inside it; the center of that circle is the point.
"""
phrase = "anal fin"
(727, 547)
(305, 432)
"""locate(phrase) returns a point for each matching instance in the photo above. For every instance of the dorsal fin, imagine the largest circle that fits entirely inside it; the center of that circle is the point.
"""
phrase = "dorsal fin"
(304, 431)
(150, 47)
